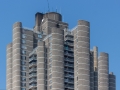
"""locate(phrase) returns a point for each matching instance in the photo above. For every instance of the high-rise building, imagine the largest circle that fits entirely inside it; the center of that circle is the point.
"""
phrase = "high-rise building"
(52, 57)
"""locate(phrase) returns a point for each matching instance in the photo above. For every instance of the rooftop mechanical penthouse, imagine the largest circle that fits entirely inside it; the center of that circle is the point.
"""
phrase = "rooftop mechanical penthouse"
(52, 57)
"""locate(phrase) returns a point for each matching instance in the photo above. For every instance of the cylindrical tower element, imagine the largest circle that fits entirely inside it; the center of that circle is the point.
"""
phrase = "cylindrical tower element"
(82, 56)
(17, 27)
(95, 49)
(103, 70)
(57, 54)
(41, 66)
(112, 81)
(9, 67)
(54, 16)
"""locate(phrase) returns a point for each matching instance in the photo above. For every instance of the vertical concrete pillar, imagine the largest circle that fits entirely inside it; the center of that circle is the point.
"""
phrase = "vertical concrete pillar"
(95, 49)
(38, 21)
(9, 67)
(103, 69)
(41, 66)
(112, 81)
(95, 57)
(91, 71)
(57, 81)
(82, 55)
(17, 27)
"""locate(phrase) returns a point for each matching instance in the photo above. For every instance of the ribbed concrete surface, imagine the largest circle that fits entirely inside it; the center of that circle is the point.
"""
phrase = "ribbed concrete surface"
(82, 56)
(103, 69)
(9, 67)
(112, 82)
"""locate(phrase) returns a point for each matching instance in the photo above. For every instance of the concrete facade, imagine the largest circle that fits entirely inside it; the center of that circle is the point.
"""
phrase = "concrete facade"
(51, 57)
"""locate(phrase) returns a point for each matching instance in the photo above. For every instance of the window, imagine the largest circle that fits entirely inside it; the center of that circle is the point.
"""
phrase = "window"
(23, 68)
(23, 73)
(39, 36)
(23, 79)
(24, 47)
(23, 36)
(23, 63)
(23, 41)
(23, 88)
(23, 52)
(50, 82)
(50, 87)
(23, 57)
(23, 84)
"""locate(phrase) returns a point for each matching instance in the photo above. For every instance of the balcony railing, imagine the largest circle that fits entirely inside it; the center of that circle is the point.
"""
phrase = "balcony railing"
(69, 60)
(69, 81)
(69, 49)
(32, 86)
(70, 65)
(33, 58)
(32, 64)
(68, 75)
(69, 54)
(69, 70)
(69, 86)
(33, 75)
(67, 43)
(32, 80)
(32, 69)
(68, 38)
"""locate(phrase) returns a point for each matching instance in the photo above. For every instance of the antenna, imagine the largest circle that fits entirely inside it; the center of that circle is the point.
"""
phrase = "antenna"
(48, 6)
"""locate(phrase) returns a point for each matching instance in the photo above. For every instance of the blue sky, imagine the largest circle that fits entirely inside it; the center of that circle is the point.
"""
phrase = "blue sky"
(104, 16)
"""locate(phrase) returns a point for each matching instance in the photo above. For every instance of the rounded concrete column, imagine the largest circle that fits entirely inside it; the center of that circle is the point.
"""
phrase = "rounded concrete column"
(9, 67)
(57, 66)
(112, 81)
(17, 27)
(41, 66)
(103, 69)
(82, 55)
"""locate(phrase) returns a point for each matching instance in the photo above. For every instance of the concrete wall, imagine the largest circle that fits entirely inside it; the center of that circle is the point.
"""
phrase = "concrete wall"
(82, 56)
(103, 70)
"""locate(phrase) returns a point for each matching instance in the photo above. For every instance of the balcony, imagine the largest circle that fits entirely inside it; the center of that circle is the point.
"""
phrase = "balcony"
(69, 65)
(69, 49)
(69, 39)
(69, 60)
(69, 70)
(33, 80)
(32, 64)
(33, 70)
(33, 75)
(69, 76)
(32, 59)
(32, 86)
(67, 43)
(69, 86)
(69, 81)
(69, 54)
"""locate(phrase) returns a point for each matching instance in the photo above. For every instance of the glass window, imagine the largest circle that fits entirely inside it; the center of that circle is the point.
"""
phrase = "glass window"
(23, 57)
(23, 84)
(23, 79)
(39, 36)
(50, 87)
(23, 41)
(23, 63)
(23, 36)
(23, 88)
(50, 81)
(23, 52)
(23, 68)
(24, 47)
(23, 73)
